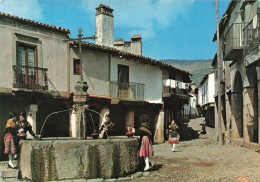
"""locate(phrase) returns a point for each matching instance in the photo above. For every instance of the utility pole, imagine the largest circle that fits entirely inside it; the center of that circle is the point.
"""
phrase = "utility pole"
(219, 77)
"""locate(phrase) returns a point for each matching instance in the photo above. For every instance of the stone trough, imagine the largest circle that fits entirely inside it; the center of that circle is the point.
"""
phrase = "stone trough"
(49, 160)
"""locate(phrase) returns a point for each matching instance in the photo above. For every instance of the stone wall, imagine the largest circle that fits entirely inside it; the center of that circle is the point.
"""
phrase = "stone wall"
(48, 160)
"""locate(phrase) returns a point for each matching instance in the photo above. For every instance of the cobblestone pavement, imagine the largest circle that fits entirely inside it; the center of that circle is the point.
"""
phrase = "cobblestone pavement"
(203, 160)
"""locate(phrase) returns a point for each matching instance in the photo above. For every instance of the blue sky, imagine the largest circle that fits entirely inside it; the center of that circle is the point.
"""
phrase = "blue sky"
(171, 29)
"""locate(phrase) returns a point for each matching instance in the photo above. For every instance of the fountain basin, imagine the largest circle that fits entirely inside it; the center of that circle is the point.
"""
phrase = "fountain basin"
(50, 160)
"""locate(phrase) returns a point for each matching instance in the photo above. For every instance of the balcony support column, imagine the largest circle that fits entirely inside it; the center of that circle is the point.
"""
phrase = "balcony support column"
(159, 132)
(130, 119)
(31, 118)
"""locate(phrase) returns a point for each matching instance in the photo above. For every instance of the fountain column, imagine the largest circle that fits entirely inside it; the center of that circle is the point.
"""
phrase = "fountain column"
(78, 122)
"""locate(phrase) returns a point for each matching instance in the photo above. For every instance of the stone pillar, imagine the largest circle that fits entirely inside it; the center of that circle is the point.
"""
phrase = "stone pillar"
(228, 119)
(237, 113)
(159, 132)
(73, 124)
(248, 114)
(31, 118)
(78, 121)
(130, 119)
(216, 119)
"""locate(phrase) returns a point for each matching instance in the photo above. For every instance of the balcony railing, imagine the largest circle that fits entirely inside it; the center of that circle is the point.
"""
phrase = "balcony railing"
(30, 77)
(234, 42)
(175, 87)
(252, 35)
(126, 90)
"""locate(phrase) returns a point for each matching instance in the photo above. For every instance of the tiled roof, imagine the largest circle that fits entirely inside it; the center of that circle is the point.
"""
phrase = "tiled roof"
(31, 22)
(129, 55)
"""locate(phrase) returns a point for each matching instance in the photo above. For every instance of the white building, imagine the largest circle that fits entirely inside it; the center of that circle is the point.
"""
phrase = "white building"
(207, 88)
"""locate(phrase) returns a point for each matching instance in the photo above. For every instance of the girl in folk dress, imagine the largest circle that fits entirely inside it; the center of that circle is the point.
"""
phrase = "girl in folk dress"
(173, 137)
(145, 142)
(23, 127)
(10, 138)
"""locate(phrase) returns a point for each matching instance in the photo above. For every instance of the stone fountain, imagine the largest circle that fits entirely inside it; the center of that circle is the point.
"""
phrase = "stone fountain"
(78, 158)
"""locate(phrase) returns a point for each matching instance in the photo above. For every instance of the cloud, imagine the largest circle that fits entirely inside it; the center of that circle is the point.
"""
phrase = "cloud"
(29, 9)
(145, 16)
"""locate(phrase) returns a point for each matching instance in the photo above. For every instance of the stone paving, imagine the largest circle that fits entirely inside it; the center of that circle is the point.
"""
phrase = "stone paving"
(203, 160)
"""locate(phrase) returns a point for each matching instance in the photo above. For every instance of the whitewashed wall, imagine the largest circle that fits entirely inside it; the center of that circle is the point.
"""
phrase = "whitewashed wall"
(51, 54)
(151, 76)
(95, 71)
(211, 87)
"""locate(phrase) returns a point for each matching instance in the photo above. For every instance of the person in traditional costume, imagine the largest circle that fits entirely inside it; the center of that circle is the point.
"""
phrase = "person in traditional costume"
(10, 139)
(203, 130)
(23, 127)
(145, 142)
(173, 135)
(106, 129)
(130, 132)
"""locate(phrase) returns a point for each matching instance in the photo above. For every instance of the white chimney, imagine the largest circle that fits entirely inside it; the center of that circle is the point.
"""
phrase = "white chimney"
(136, 44)
(104, 26)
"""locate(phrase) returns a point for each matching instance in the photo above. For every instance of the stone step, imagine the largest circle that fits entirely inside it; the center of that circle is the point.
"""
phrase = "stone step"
(6, 172)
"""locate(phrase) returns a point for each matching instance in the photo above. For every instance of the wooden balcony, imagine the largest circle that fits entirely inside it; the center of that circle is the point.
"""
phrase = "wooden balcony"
(233, 46)
(174, 88)
(127, 90)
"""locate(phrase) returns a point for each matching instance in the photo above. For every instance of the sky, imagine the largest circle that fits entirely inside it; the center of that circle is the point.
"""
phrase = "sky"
(170, 29)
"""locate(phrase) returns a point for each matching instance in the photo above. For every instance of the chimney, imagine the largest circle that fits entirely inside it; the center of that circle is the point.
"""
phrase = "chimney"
(119, 44)
(136, 44)
(104, 25)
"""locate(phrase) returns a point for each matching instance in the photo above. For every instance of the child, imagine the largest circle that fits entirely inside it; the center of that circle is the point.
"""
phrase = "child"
(173, 137)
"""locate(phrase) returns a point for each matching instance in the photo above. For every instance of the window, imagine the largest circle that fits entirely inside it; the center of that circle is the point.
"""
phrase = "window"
(26, 71)
(123, 73)
(76, 67)
(26, 55)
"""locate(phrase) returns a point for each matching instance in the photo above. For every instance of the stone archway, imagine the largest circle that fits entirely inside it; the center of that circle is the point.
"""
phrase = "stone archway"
(237, 107)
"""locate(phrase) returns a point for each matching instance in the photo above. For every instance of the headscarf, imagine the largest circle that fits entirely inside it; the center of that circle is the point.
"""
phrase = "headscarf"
(145, 124)
(10, 123)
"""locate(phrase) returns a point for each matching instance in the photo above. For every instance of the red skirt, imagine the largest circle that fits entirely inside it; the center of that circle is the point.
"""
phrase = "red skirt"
(9, 144)
(173, 140)
(146, 148)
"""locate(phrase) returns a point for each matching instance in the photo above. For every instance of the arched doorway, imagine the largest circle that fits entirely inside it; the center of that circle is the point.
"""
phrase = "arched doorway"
(237, 105)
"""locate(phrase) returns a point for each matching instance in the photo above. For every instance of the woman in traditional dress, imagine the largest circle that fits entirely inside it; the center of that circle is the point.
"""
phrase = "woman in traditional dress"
(173, 137)
(106, 129)
(23, 127)
(10, 138)
(145, 142)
